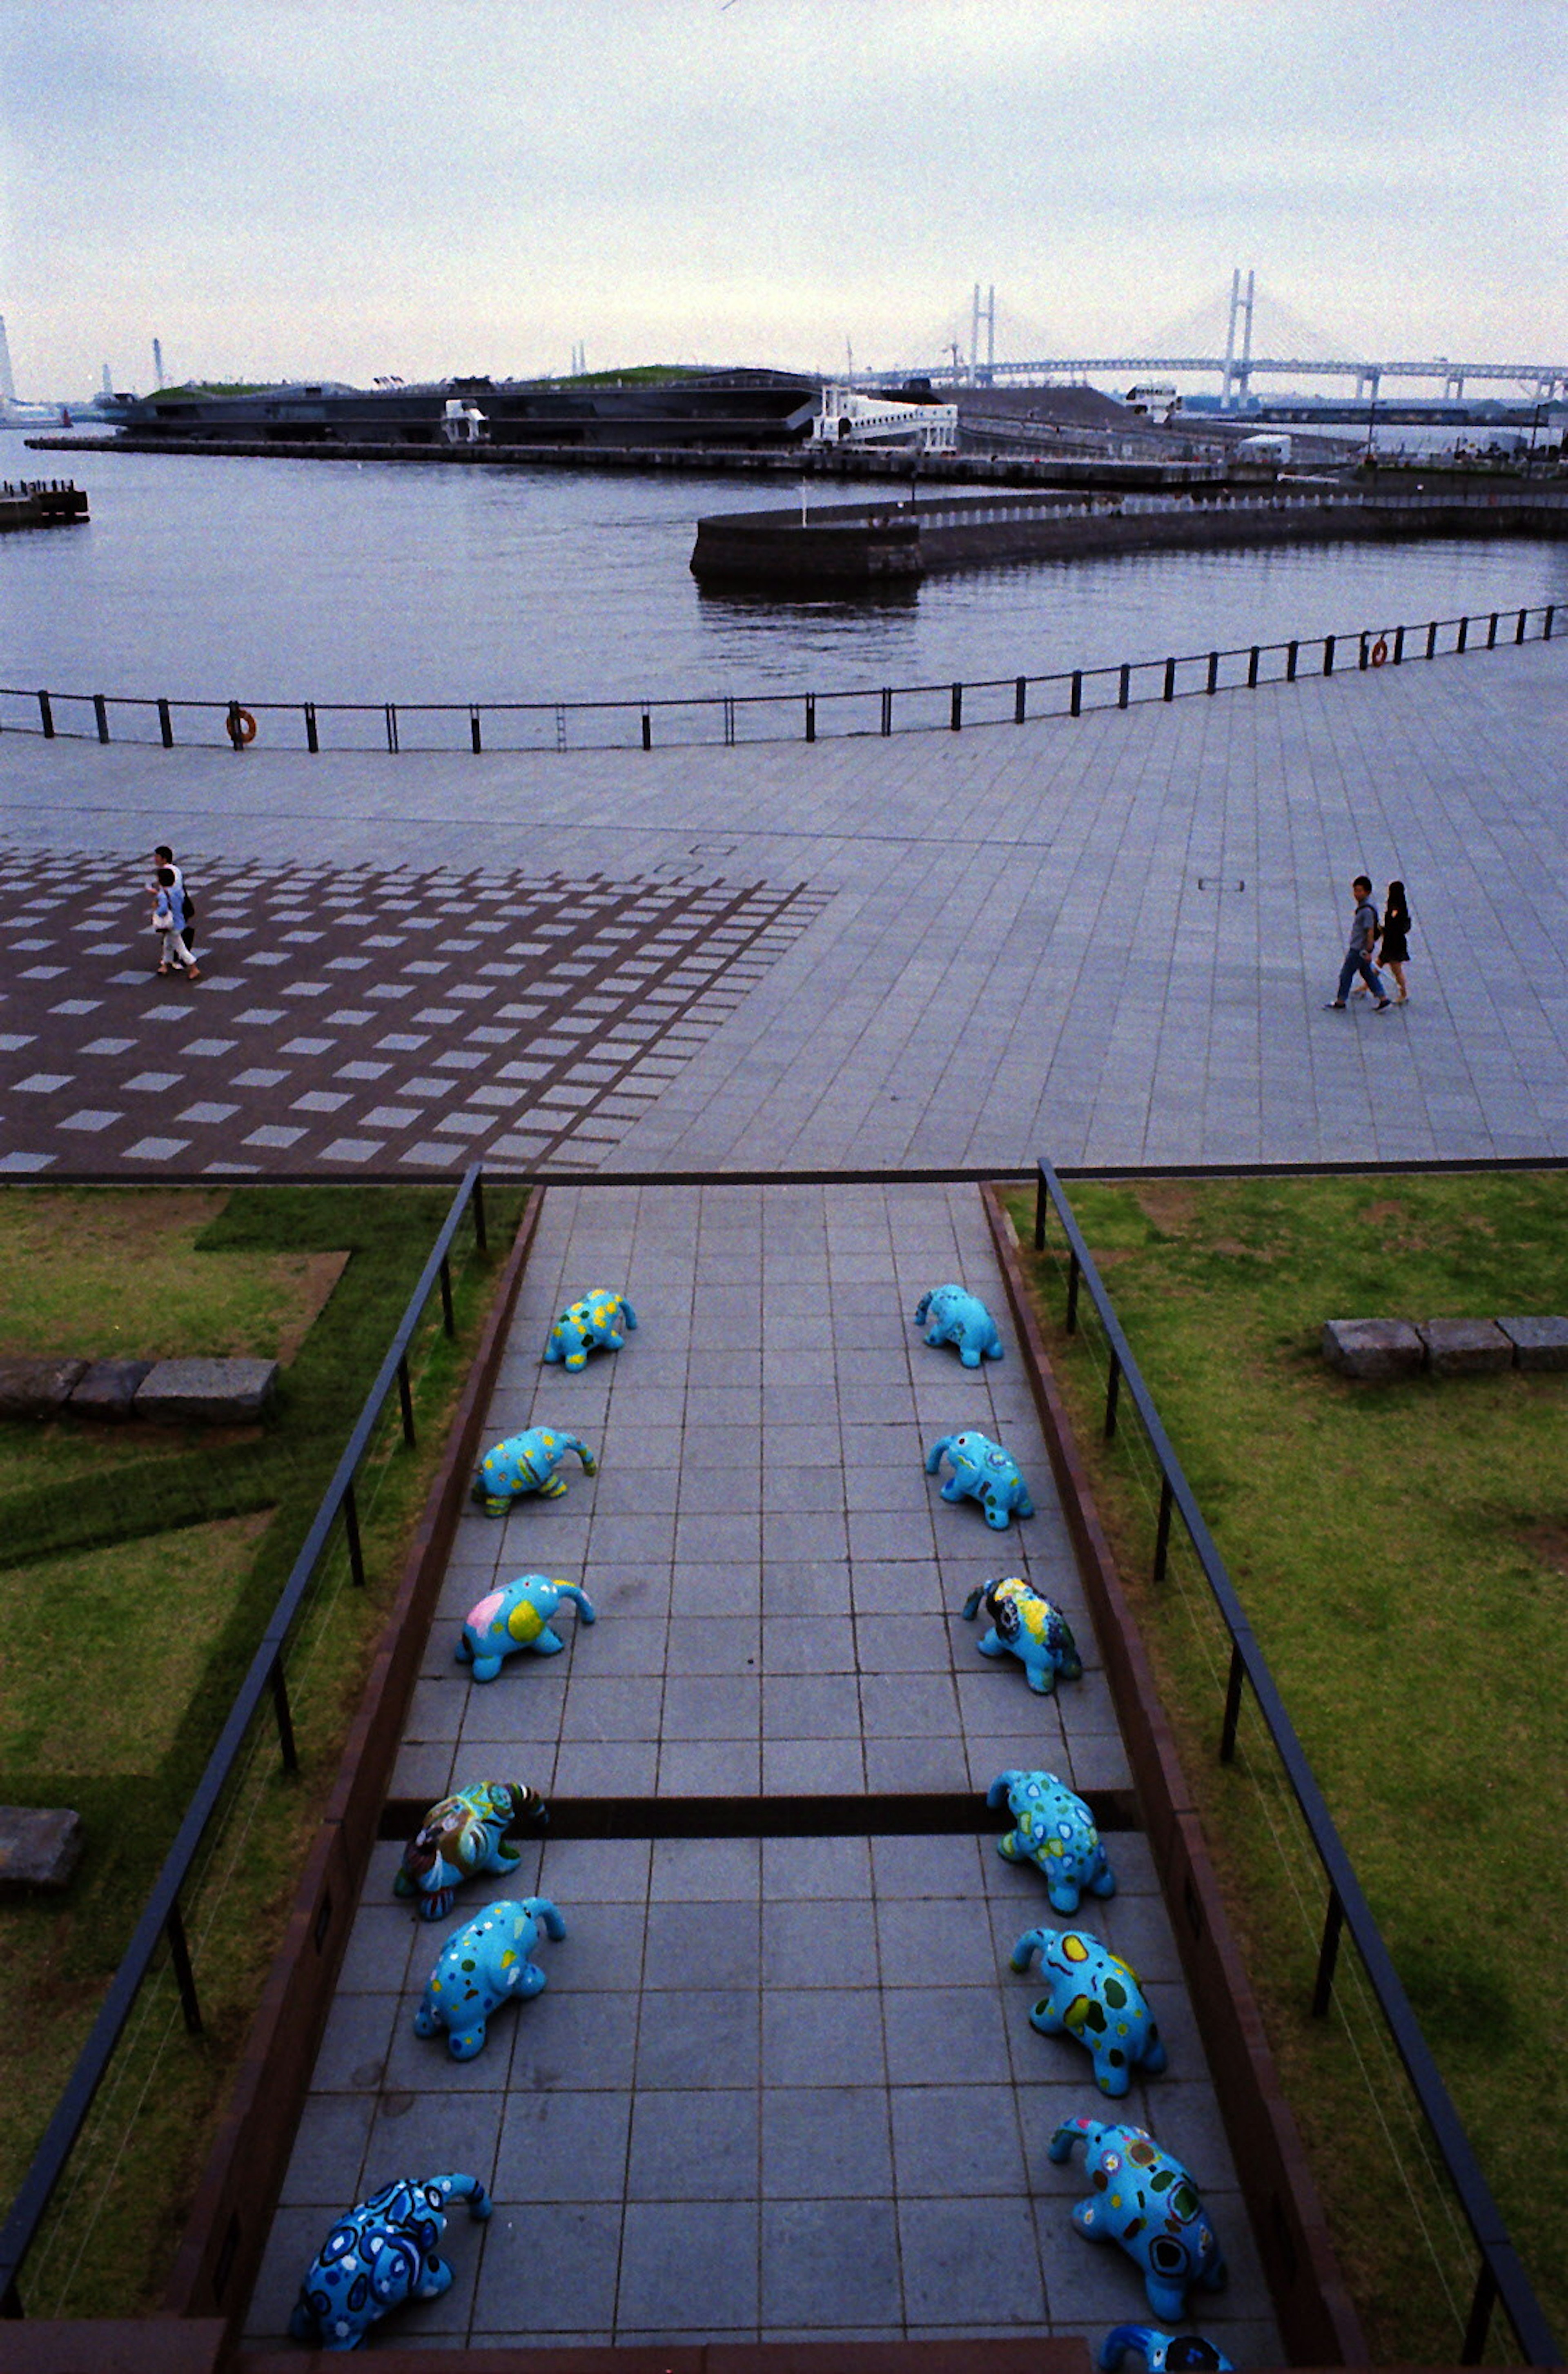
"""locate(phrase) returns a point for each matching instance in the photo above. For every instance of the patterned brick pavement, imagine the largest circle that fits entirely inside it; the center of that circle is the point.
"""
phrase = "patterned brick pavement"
(357, 1015)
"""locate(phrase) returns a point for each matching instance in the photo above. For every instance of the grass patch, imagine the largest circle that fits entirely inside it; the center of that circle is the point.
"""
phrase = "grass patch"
(1400, 1552)
(184, 1631)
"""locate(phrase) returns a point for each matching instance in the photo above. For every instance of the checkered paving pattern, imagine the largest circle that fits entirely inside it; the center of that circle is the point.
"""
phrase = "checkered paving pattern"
(351, 1016)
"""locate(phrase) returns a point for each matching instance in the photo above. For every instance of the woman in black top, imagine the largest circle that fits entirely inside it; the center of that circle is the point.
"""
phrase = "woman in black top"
(1395, 946)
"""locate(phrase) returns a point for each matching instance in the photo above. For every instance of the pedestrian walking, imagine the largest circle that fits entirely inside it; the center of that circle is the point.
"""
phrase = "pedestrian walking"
(168, 917)
(1394, 946)
(1358, 955)
(163, 855)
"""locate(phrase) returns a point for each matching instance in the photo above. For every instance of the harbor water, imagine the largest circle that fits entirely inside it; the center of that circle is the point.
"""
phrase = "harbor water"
(209, 578)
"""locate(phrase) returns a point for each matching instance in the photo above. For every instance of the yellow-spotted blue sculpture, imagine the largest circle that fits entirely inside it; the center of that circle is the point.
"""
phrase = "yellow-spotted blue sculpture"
(1097, 1997)
(1147, 2202)
(482, 1966)
(1028, 1627)
(382, 2253)
(601, 1318)
(518, 1616)
(982, 1471)
(1163, 2353)
(960, 1318)
(527, 1462)
(1053, 1830)
(464, 1835)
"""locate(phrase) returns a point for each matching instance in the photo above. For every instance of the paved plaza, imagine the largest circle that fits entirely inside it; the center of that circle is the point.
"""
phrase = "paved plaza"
(1109, 940)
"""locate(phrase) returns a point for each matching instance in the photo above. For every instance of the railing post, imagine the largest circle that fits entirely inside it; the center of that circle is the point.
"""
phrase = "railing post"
(955, 715)
(1163, 1531)
(1398, 646)
(1364, 659)
(1463, 637)
(730, 720)
(478, 1201)
(887, 709)
(1491, 632)
(1432, 640)
(1253, 657)
(234, 730)
(285, 1720)
(1519, 629)
(100, 711)
(1170, 691)
(1328, 1955)
(352, 1533)
(312, 738)
(392, 725)
(810, 717)
(1123, 685)
(46, 716)
(1112, 1389)
(165, 725)
(475, 734)
(1232, 1706)
(1545, 624)
(405, 1397)
(1290, 652)
(1213, 672)
(1479, 2323)
(447, 1320)
(647, 729)
(1040, 1213)
(180, 1955)
(1072, 1290)
(1327, 654)
(1075, 699)
(1020, 700)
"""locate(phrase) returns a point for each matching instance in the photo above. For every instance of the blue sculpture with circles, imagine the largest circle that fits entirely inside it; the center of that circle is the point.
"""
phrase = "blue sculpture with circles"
(982, 1471)
(1144, 2200)
(1163, 2353)
(527, 1462)
(1055, 1831)
(382, 2253)
(950, 1315)
(1028, 1626)
(517, 1617)
(1091, 1994)
(603, 1319)
(483, 1965)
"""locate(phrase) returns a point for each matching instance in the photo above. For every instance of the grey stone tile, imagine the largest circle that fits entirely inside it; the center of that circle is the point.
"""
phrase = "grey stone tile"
(566, 2285)
(823, 2038)
(700, 2145)
(794, 1768)
(971, 2261)
(577, 2043)
(925, 1867)
(825, 2142)
(714, 1644)
(671, 2256)
(328, 2154)
(612, 1707)
(813, 1644)
(831, 1944)
(709, 1944)
(922, 2022)
(950, 2139)
(692, 1871)
(572, 2145)
(606, 1768)
(820, 2268)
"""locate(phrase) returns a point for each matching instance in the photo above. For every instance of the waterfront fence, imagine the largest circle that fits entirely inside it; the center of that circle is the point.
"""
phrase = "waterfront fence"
(690, 720)
(1412, 2127)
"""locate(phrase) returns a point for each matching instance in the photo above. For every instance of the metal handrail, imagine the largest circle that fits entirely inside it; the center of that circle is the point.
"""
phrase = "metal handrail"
(1502, 2278)
(160, 1918)
(878, 701)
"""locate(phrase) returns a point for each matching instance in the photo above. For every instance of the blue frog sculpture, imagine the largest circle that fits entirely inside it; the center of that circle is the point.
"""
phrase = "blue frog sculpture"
(1163, 2353)
(960, 1318)
(527, 1462)
(982, 1471)
(1027, 1625)
(1053, 1830)
(602, 1318)
(1094, 1995)
(382, 2253)
(464, 1835)
(1147, 2202)
(482, 1966)
(517, 1617)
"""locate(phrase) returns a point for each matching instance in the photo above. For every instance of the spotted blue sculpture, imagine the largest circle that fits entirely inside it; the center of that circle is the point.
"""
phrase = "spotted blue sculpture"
(982, 1471)
(957, 1317)
(1028, 1627)
(517, 1617)
(482, 1966)
(1163, 2353)
(464, 1835)
(1053, 1830)
(1147, 2202)
(598, 1319)
(382, 2253)
(1097, 1997)
(527, 1462)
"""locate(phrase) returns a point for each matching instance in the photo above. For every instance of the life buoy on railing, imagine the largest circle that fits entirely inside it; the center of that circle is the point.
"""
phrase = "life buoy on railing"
(1380, 651)
(241, 726)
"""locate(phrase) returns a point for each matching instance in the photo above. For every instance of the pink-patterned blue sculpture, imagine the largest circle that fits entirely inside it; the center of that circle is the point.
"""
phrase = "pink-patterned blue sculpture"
(517, 1617)
(464, 1835)
(1147, 2202)
(1026, 1625)
(1094, 1995)
(481, 1966)
(382, 2253)
(598, 1319)
(957, 1317)
(1053, 1830)
(982, 1471)
(527, 1462)
(1163, 2353)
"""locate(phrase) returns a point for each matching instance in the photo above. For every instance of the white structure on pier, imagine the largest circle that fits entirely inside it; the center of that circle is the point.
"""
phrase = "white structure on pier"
(848, 418)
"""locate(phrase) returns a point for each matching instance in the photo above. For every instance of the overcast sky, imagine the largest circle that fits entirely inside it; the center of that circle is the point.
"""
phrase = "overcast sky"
(281, 190)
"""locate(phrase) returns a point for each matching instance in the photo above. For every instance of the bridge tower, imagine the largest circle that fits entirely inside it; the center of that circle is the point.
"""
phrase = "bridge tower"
(986, 313)
(1238, 374)
(7, 384)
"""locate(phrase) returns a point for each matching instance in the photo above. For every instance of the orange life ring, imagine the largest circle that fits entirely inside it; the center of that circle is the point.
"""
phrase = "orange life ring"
(1380, 651)
(242, 727)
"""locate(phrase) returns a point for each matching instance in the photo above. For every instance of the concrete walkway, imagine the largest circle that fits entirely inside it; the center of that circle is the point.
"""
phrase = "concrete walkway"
(777, 2087)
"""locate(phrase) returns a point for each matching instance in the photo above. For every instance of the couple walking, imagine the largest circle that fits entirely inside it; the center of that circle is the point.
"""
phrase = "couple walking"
(174, 914)
(1368, 938)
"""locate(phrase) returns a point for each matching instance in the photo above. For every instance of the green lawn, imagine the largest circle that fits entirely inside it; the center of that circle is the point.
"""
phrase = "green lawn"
(1402, 1553)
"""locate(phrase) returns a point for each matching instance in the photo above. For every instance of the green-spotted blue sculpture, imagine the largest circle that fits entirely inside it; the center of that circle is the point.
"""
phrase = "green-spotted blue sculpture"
(1028, 1627)
(1163, 2353)
(1147, 2202)
(464, 1835)
(602, 1318)
(982, 1471)
(482, 1966)
(952, 1315)
(518, 1616)
(382, 2253)
(1053, 1830)
(527, 1462)
(1094, 1995)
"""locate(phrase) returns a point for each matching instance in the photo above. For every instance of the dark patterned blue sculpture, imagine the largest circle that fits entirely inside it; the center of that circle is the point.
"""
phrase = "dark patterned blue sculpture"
(1094, 1995)
(957, 1317)
(1026, 1625)
(1163, 2353)
(1147, 2202)
(382, 2253)
(1055, 1832)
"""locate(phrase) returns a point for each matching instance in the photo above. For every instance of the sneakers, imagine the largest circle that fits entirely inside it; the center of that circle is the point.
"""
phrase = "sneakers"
(1335, 1005)
(1382, 1005)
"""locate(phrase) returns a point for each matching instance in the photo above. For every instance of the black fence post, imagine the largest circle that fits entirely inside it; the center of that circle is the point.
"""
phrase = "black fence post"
(1075, 698)
(285, 1720)
(1123, 685)
(810, 717)
(476, 732)
(1232, 1706)
(1113, 1389)
(1163, 1531)
(235, 730)
(955, 716)
(1483, 2300)
(352, 1533)
(1545, 624)
(887, 709)
(1020, 700)
(392, 725)
(447, 1320)
(100, 710)
(46, 715)
(647, 731)
(1328, 1955)
(1327, 654)
(184, 1978)
(1170, 691)
(1519, 629)
(1398, 646)
(1040, 1212)
(478, 1200)
(165, 725)
(405, 1397)
(1364, 659)
(1491, 632)
(1290, 653)
(1432, 640)
(1072, 1292)
(312, 738)
(1253, 657)
(1213, 672)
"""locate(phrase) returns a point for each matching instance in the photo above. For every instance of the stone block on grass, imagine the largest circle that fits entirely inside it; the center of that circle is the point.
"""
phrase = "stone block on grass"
(1465, 1347)
(1376, 1351)
(206, 1393)
(1538, 1343)
(36, 1388)
(38, 1846)
(108, 1388)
